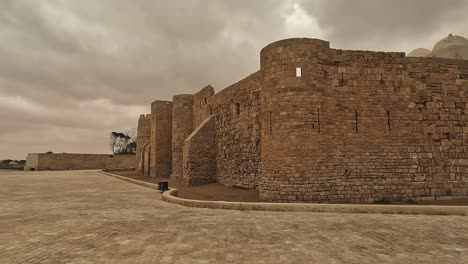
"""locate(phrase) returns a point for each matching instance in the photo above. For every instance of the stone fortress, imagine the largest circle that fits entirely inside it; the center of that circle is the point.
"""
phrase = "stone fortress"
(317, 124)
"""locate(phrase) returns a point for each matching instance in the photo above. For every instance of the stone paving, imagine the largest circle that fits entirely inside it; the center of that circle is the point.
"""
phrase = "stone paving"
(86, 217)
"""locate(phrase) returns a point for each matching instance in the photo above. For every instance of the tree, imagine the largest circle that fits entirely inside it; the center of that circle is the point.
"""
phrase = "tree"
(123, 143)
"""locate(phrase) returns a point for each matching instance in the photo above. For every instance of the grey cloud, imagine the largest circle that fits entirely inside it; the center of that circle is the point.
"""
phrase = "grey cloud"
(386, 25)
(72, 71)
(60, 55)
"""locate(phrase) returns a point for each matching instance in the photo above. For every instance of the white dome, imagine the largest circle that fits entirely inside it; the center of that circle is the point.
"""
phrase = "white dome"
(421, 52)
(451, 40)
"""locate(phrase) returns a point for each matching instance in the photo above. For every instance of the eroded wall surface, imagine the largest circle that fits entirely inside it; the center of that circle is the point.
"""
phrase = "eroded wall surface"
(143, 137)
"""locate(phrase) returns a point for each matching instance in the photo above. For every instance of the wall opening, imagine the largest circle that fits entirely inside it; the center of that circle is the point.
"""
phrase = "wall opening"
(206, 101)
(318, 119)
(298, 72)
(388, 121)
(356, 122)
(238, 108)
(269, 120)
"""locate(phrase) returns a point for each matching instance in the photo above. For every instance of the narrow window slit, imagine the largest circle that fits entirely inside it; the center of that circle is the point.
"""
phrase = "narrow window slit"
(356, 121)
(318, 119)
(388, 121)
(238, 108)
(270, 123)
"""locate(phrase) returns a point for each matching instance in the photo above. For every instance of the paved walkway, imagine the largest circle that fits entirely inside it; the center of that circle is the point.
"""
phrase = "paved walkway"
(86, 217)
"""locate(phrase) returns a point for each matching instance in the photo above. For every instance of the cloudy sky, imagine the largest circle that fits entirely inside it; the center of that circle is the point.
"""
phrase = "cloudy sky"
(73, 71)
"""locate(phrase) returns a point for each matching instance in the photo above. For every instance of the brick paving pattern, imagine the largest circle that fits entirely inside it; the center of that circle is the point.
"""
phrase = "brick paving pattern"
(86, 217)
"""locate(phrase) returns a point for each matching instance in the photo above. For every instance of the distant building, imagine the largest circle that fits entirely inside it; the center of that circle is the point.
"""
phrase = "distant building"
(451, 47)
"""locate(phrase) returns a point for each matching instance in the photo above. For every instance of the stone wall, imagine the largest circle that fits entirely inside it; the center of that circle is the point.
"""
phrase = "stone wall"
(359, 126)
(64, 161)
(199, 154)
(161, 139)
(146, 160)
(353, 126)
(237, 112)
(182, 126)
(201, 110)
(143, 137)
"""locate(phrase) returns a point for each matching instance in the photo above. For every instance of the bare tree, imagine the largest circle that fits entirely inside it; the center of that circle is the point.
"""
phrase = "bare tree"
(123, 143)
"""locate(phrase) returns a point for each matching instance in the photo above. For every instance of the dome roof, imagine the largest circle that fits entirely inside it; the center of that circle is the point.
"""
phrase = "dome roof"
(451, 40)
(451, 52)
(421, 52)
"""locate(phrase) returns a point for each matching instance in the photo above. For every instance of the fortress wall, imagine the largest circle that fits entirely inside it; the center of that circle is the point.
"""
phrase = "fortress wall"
(237, 113)
(143, 136)
(200, 105)
(161, 139)
(359, 126)
(182, 126)
(199, 154)
(64, 161)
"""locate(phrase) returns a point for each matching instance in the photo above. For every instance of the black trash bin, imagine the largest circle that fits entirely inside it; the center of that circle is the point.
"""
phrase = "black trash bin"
(163, 186)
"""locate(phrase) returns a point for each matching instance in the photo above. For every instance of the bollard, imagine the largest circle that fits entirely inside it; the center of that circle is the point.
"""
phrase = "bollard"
(163, 186)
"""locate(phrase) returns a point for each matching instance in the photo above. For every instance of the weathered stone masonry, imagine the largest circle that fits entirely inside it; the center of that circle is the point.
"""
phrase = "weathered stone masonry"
(143, 137)
(356, 126)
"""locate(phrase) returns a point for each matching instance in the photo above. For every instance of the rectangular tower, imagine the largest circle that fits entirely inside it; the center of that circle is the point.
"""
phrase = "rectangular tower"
(161, 139)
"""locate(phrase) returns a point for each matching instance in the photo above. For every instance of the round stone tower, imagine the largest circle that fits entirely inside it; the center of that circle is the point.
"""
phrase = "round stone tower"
(291, 101)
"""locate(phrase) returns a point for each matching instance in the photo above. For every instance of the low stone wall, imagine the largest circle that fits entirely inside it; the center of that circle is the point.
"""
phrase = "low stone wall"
(63, 161)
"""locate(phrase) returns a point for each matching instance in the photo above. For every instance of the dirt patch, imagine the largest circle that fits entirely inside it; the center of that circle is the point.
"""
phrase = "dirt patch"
(208, 192)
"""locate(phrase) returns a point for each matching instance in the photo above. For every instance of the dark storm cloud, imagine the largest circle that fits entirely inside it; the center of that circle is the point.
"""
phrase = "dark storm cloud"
(72, 71)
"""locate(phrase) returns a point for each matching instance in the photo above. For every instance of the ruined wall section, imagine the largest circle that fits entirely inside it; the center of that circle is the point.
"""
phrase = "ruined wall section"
(237, 112)
(161, 139)
(360, 126)
(201, 110)
(199, 154)
(143, 137)
(182, 127)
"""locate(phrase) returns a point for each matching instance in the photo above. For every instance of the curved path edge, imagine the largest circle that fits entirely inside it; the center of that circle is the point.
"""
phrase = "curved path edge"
(171, 197)
(137, 182)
